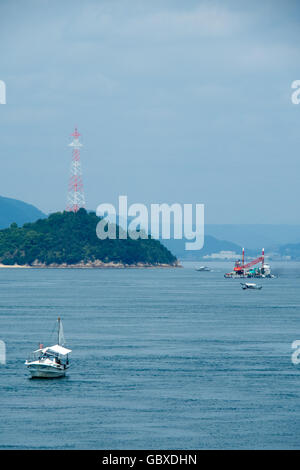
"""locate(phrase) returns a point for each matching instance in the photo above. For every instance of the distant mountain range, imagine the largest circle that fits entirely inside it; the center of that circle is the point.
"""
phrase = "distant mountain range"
(256, 236)
(289, 251)
(211, 245)
(19, 212)
(279, 240)
(216, 249)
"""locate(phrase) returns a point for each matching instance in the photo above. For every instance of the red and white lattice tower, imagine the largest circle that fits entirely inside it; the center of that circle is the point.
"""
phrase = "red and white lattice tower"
(75, 192)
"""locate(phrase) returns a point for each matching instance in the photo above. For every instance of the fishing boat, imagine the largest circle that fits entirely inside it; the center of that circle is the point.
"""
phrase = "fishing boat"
(52, 361)
(203, 268)
(250, 285)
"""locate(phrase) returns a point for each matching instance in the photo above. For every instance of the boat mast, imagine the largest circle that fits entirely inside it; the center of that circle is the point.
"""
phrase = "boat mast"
(58, 333)
(243, 260)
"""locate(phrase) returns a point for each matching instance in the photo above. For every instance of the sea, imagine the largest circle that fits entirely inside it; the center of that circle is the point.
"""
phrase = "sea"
(161, 359)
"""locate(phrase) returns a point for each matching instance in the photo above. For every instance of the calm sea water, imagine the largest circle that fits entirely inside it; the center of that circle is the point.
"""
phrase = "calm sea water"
(162, 358)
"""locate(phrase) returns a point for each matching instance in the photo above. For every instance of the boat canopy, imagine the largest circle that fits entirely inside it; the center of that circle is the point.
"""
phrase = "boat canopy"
(56, 349)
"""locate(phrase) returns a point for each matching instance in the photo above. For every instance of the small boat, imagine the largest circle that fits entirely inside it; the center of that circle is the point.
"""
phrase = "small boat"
(203, 268)
(249, 285)
(52, 361)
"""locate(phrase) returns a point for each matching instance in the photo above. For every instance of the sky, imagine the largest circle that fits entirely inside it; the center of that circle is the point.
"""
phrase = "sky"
(176, 101)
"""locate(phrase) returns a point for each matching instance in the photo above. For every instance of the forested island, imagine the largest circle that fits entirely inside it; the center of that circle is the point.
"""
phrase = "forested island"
(68, 239)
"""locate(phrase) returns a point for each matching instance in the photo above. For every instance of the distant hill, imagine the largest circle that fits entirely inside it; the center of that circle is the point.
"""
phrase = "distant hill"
(67, 238)
(211, 245)
(14, 211)
(255, 236)
(290, 250)
(278, 241)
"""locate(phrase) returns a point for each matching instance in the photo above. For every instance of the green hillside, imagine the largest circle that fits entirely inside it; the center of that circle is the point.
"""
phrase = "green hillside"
(71, 238)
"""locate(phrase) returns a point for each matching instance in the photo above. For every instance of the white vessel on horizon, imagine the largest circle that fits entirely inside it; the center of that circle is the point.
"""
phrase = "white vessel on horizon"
(52, 361)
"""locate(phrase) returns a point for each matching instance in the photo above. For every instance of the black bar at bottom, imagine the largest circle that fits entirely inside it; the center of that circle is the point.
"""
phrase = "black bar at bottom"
(89, 459)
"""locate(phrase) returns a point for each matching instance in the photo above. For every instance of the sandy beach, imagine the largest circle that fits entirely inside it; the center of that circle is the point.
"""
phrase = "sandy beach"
(13, 266)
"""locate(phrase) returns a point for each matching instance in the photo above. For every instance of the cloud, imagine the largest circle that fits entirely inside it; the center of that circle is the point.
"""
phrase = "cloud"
(151, 84)
(108, 21)
(204, 21)
(266, 55)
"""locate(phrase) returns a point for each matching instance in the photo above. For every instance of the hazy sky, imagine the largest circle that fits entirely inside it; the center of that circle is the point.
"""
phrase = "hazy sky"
(177, 101)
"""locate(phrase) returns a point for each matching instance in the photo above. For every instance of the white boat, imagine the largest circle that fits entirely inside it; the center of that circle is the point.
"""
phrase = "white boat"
(250, 285)
(52, 361)
(203, 268)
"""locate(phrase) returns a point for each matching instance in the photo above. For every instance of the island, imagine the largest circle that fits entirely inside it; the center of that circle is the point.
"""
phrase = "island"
(69, 240)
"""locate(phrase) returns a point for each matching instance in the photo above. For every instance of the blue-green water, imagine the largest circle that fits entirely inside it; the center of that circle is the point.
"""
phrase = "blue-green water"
(162, 358)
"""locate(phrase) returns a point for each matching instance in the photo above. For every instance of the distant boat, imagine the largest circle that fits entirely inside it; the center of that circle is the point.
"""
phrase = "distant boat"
(52, 361)
(203, 268)
(248, 285)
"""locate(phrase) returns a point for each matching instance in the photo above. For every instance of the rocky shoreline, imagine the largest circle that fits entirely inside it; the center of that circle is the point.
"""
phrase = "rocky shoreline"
(92, 264)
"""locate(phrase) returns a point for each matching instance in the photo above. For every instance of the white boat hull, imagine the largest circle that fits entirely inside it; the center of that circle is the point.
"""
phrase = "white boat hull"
(45, 370)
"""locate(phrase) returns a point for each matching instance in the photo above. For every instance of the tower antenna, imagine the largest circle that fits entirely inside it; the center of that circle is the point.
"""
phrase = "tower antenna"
(76, 198)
